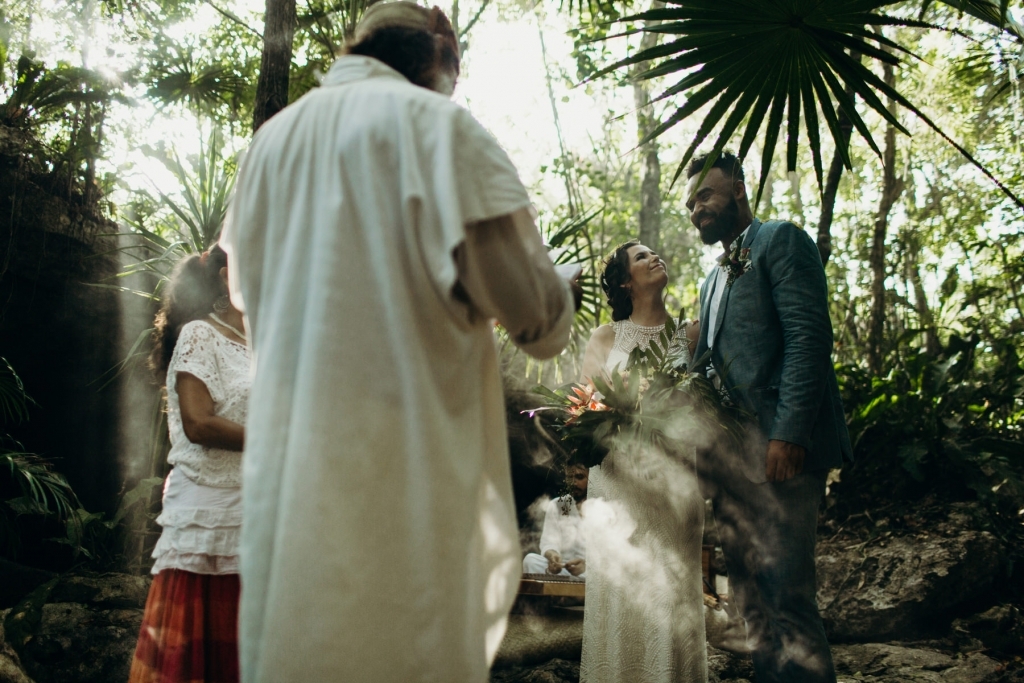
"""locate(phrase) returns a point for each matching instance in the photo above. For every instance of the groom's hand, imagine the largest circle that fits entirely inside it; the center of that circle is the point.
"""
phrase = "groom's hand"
(785, 460)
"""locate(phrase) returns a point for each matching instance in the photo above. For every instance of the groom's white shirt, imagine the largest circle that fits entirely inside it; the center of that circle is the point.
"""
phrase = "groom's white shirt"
(721, 275)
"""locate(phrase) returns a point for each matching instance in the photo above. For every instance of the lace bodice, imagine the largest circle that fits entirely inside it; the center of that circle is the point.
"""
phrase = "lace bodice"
(629, 335)
(223, 366)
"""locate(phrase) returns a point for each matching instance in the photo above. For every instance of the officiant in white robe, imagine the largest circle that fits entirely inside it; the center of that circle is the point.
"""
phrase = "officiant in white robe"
(376, 231)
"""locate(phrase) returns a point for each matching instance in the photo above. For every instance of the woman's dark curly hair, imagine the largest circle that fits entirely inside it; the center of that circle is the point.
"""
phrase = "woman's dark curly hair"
(414, 53)
(195, 285)
(614, 275)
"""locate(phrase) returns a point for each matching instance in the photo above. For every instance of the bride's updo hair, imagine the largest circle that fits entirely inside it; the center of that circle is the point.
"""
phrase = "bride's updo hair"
(614, 275)
(194, 287)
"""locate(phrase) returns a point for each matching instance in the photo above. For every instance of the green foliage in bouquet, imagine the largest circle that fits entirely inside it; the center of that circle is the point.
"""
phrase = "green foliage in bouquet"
(654, 400)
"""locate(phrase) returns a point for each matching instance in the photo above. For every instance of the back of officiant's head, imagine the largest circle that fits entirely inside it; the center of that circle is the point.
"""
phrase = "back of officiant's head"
(417, 42)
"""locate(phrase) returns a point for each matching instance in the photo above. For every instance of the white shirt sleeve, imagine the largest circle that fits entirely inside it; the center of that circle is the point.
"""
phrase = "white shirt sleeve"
(551, 533)
(506, 274)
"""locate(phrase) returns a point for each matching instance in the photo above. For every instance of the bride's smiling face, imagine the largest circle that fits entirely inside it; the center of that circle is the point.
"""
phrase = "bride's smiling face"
(646, 269)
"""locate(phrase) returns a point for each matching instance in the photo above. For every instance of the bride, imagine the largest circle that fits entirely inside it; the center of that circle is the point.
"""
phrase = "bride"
(644, 617)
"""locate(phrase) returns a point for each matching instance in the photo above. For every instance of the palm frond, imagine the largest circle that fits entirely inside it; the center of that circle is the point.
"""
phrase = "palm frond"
(43, 490)
(14, 400)
(39, 93)
(769, 68)
(995, 13)
(205, 185)
(179, 77)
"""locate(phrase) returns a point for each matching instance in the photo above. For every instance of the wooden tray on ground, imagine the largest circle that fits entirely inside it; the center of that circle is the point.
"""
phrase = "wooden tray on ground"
(570, 586)
(552, 585)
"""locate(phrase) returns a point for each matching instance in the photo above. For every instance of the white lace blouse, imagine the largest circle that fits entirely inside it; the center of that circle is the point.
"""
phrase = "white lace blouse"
(223, 366)
(202, 501)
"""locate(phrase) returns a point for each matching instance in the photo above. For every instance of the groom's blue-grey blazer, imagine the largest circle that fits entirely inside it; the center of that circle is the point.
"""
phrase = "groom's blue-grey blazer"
(773, 348)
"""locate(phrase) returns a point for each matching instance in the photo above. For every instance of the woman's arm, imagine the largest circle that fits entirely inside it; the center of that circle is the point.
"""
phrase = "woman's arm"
(598, 347)
(201, 425)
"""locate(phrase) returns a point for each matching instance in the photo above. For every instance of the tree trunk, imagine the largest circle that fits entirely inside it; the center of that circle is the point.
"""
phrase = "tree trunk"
(892, 187)
(835, 174)
(272, 86)
(650, 183)
(924, 313)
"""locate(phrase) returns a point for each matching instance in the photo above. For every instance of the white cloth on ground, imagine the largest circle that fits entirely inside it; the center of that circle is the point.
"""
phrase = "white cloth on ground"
(378, 512)
(644, 619)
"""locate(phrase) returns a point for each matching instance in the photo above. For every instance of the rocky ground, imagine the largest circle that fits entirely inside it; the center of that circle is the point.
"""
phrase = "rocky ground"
(902, 606)
(899, 604)
(74, 629)
(860, 663)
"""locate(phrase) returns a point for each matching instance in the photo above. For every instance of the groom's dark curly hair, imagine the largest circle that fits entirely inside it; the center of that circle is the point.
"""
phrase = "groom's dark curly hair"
(727, 161)
(614, 276)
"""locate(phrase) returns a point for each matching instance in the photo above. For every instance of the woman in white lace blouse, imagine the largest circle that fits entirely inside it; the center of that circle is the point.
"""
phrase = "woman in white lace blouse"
(644, 617)
(189, 629)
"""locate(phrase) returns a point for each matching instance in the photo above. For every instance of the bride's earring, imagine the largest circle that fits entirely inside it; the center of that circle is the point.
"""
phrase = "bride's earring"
(222, 304)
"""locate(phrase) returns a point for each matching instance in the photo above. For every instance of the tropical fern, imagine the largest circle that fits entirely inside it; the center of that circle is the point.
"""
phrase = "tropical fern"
(43, 490)
(28, 484)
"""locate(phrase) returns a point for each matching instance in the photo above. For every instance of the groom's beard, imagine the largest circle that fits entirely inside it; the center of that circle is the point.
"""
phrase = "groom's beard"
(722, 224)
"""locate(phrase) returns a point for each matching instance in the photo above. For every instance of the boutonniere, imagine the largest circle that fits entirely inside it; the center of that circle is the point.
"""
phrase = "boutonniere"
(736, 262)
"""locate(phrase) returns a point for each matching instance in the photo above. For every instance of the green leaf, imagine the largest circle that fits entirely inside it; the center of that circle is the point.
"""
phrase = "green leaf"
(140, 493)
(14, 400)
(740, 60)
(912, 456)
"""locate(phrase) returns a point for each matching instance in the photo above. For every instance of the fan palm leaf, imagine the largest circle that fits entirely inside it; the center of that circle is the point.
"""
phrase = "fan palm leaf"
(995, 13)
(771, 66)
(179, 77)
(38, 92)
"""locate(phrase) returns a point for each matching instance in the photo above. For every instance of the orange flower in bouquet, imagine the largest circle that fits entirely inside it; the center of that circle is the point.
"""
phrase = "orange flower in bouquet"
(586, 398)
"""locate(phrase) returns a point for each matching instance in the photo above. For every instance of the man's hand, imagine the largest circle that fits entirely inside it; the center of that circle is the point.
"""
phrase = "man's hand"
(554, 562)
(785, 460)
(576, 567)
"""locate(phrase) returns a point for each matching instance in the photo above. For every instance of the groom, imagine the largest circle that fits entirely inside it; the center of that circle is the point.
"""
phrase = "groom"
(766, 339)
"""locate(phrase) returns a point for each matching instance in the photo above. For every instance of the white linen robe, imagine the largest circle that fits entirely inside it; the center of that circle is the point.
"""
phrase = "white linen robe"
(379, 540)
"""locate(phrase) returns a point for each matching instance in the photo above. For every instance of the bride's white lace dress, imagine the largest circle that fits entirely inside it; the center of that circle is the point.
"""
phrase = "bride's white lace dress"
(644, 520)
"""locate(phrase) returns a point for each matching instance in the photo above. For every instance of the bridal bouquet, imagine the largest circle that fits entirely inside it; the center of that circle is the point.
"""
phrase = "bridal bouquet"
(654, 399)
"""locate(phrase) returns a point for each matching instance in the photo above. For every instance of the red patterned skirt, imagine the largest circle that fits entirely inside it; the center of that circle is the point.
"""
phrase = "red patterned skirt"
(189, 630)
